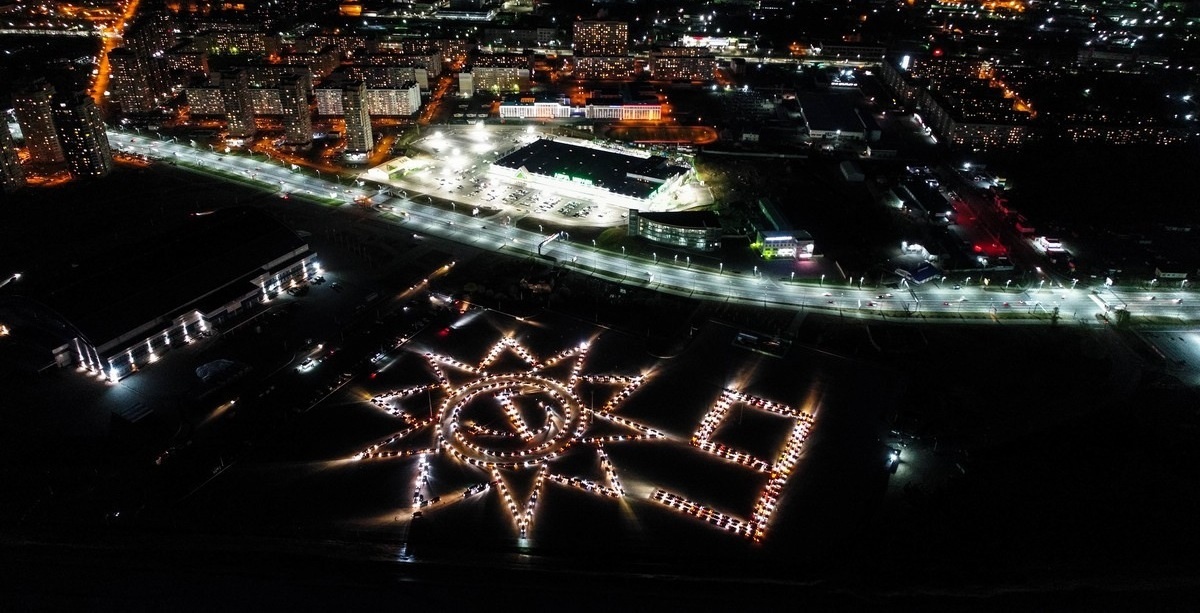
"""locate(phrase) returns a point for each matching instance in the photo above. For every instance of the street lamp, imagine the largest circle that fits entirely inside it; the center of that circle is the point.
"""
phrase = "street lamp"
(720, 267)
(655, 257)
(622, 250)
(822, 280)
(1007, 283)
(689, 261)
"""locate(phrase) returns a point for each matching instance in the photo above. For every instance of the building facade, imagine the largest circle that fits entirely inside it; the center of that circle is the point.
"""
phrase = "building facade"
(603, 68)
(82, 133)
(238, 103)
(35, 115)
(205, 101)
(359, 140)
(530, 106)
(600, 38)
(297, 116)
(493, 80)
(12, 177)
(385, 77)
(129, 81)
(402, 101)
(266, 102)
(682, 64)
(791, 244)
(698, 230)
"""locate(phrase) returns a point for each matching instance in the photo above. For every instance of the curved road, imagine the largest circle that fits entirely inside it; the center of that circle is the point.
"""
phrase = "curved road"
(944, 303)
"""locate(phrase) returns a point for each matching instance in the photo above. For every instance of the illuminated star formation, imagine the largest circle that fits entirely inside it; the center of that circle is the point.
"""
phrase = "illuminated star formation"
(514, 424)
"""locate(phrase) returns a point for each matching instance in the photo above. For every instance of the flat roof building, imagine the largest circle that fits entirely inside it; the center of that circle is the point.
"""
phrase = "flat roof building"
(116, 315)
(774, 236)
(628, 179)
(831, 116)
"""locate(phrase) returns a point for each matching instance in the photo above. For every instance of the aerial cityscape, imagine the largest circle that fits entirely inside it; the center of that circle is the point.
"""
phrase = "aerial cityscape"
(596, 304)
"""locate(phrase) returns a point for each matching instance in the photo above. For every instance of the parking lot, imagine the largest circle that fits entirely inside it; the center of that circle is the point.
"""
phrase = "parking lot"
(454, 165)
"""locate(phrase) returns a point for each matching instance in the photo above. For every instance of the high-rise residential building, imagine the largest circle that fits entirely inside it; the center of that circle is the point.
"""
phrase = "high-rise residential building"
(82, 134)
(297, 120)
(358, 122)
(682, 63)
(601, 38)
(12, 177)
(403, 101)
(205, 100)
(129, 83)
(239, 107)
(602, 50)
(603, 67)
(150, 37)
(35, 114)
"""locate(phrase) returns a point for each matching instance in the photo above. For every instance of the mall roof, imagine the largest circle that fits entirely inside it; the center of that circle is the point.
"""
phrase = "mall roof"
(111, 296)
(830, 112)
(619, 173)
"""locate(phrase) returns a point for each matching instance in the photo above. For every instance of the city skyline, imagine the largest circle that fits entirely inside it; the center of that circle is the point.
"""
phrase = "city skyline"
(705, 306)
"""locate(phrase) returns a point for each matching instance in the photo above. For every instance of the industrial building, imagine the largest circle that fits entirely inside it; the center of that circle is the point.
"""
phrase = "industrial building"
(113, 316)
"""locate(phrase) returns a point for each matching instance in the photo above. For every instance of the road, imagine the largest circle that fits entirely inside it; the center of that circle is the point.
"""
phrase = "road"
(936, 301)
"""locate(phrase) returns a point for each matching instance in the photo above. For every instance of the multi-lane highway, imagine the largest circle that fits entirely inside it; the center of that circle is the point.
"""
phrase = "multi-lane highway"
(943, 301)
